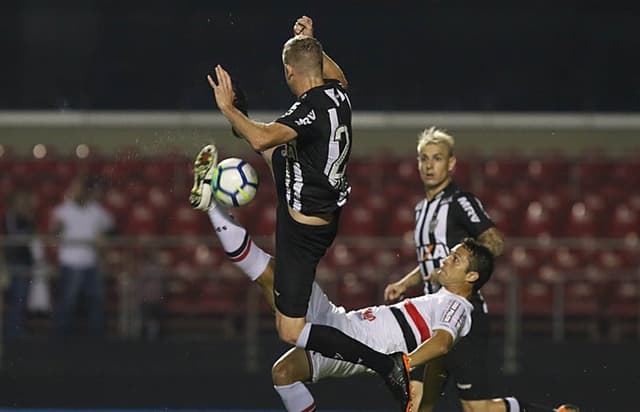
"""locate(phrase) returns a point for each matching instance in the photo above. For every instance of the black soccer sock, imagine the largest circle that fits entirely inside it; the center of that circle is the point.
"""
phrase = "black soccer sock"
(332, 343)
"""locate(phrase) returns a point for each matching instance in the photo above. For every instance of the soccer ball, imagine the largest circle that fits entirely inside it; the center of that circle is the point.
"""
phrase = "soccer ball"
(235, 182)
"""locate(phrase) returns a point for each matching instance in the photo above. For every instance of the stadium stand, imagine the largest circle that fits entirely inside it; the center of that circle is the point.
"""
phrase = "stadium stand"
(533, 200)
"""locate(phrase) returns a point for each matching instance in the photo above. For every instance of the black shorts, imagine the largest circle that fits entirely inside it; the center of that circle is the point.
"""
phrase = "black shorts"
(466, 364)
(299, 248)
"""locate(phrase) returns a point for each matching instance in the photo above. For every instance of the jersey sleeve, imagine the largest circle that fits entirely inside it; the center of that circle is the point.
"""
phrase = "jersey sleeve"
(300, 117)
(468, 211)
(455, 319)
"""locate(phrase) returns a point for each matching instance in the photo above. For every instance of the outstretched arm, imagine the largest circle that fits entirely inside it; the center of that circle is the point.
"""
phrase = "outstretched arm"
(261, 136)
(395, 291)
(439, 344)
(330, 69)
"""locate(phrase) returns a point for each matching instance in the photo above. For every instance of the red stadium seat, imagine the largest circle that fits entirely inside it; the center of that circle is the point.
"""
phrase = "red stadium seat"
(502, 172)
(525, 261)
(463, 174)
(556, 202)
(624, 223)
(548, 173)
(567, 260)
(116, 201)
(537, 222)
(355, 292)
(402, 222)
(504, 222)
(141, 221)
(358, 221)
(581, 222)
(624, 173)
(341, 257)
(186, 221)
(159, 200)
(264, 223)
(592, 173)
(536, 304)
(495, 294)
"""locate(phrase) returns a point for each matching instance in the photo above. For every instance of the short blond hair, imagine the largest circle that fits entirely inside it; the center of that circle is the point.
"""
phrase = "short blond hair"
(304, 53)
(433, 135)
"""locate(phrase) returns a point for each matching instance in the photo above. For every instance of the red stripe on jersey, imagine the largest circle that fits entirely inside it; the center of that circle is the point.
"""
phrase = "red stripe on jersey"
(310, 408)
(418, 320)
(244, 253)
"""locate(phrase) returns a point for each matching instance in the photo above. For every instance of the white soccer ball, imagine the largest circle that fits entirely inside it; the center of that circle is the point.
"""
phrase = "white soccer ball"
(235, 182)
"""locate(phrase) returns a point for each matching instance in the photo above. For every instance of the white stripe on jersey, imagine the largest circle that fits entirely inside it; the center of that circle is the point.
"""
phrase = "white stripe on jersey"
(334, 145)
(297, 186)
(430, 256)
(287, 181)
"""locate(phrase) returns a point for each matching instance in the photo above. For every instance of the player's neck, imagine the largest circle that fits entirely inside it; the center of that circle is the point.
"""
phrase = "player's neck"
(460, 290)
(432, 192)
(306, 84)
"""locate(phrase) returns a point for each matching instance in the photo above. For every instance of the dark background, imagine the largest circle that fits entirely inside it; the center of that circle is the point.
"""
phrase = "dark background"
(437, 55)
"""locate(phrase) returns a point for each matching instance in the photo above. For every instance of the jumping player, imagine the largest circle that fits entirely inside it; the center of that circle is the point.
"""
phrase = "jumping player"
(308, 150)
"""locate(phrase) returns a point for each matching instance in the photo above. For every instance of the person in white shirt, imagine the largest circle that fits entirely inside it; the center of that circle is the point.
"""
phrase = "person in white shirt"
(80, 223)
(430, 323)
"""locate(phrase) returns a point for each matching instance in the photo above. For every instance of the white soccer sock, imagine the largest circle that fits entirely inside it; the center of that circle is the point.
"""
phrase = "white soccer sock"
(237, 243)
(296, 397)
(512, 404)
(303, 339)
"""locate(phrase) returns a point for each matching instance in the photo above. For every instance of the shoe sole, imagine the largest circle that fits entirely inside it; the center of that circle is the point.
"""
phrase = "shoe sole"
(203, 169)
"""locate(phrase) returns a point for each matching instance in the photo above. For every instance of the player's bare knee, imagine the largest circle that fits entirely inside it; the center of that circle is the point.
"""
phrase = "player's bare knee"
(283, 372)
(476, 405)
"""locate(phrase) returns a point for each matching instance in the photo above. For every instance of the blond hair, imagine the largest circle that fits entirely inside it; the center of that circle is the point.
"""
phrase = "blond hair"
(304, 53)
(433, 135)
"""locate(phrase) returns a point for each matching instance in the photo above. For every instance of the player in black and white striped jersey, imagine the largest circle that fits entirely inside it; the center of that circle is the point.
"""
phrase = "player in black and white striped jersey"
(446, 215)
(308, 150)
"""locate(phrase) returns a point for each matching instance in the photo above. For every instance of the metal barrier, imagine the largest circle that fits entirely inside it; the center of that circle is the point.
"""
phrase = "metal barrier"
(125, 260)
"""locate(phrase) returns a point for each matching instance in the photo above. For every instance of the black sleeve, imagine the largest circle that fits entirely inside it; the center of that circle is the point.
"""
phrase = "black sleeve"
(300, 117)
(470, 214)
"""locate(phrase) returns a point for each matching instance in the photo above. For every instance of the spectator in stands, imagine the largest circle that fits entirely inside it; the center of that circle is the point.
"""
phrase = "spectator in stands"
(80, 224)
(444, 217)
(17, 259)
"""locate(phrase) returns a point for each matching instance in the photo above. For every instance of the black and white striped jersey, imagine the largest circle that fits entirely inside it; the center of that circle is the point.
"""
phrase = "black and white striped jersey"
(442, 223)
(315, 178)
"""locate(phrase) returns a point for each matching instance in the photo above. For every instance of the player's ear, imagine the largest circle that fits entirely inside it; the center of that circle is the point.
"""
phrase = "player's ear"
(452, 163)
(471, 277)
(288, 71)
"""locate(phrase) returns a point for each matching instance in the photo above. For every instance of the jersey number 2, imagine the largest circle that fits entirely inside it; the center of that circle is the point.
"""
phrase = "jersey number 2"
(337, 156)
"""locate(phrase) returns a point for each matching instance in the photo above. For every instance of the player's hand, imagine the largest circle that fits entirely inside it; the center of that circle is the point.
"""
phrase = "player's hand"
(223, 91)
(303, 26)
(394, 292)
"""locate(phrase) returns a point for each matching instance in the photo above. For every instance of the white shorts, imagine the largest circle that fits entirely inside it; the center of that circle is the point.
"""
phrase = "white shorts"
(332, 368)
(378, 329)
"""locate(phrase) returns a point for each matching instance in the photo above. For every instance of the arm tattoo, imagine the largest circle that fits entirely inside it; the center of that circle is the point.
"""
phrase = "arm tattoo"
(493, 240)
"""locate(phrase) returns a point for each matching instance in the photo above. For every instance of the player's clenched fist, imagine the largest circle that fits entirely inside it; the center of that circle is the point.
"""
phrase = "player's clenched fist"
(394, 292)
(303, 26)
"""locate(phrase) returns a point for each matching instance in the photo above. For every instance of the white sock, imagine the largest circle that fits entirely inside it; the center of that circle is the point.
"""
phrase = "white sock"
(237, 243)
(296, 397)
(304, 336)
(512, 404)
